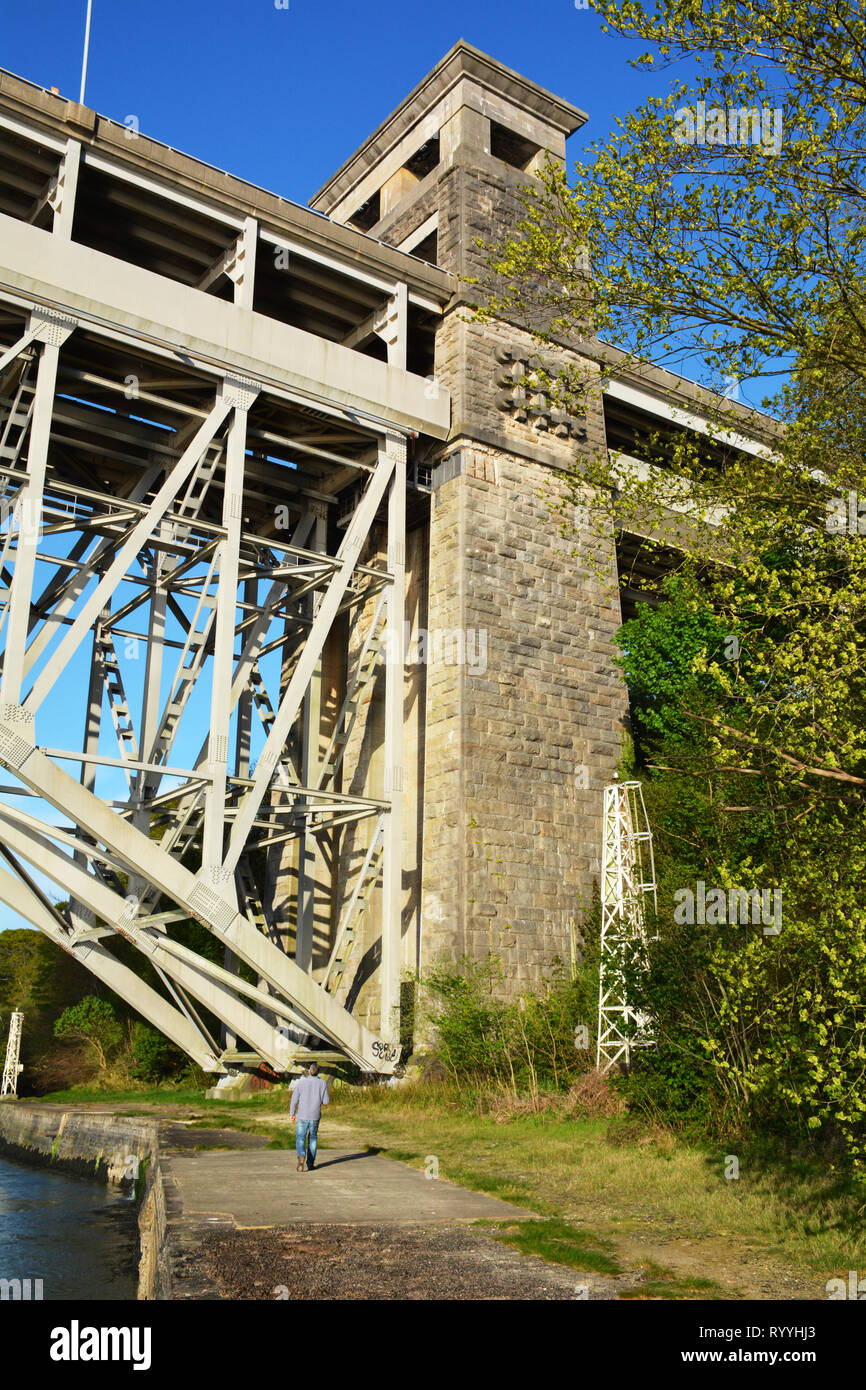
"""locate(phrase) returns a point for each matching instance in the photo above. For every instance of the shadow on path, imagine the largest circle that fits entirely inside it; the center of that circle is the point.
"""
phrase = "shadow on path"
(345, 1158)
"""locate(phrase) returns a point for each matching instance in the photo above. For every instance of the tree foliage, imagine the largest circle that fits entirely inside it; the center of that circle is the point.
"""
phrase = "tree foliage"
(747, 263)
(755, 1029)
(154, 1058)
(92, 1021)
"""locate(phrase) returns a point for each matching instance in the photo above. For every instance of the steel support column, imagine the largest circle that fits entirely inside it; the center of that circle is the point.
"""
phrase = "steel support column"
(392, 868)
(310, 734)
(30, 504)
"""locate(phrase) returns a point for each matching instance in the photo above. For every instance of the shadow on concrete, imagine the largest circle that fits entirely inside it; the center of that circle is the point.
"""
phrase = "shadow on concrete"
(344, 1158)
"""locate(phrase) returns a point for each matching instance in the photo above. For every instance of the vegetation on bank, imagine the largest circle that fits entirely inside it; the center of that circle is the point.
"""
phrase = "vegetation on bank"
(745, 668)
(621, 1172)
(626, 1180)
(77, 1033)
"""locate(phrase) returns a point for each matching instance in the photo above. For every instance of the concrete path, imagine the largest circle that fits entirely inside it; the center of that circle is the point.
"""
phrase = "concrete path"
(264, 1188)
(245, 1224)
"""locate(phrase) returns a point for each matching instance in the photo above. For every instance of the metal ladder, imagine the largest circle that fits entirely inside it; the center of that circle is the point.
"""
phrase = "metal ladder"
(249, 897)
(17, 421)
(267, 714)
(197, 488)
(189, 664)
(364, 675)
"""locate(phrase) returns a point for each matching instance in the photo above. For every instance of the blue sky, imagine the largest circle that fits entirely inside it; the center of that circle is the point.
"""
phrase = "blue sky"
(283, 96)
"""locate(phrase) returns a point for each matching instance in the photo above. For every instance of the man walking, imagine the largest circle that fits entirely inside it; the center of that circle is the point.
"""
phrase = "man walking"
(308, 1097)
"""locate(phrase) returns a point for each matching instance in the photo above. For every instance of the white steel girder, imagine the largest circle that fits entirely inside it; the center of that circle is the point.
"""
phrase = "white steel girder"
(26, 901)
(206, 810)
(194, 974)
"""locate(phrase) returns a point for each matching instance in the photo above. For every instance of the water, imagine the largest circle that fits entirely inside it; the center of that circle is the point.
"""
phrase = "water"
(79, 1237)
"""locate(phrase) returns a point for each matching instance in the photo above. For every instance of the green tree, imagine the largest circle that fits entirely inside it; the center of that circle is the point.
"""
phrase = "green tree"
(92, 1021)
(745, 260)
(20, 966)
(755, 1030)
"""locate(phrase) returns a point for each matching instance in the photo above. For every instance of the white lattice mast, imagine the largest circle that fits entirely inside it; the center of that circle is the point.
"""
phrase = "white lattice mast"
(628, 876)
(12, 1067)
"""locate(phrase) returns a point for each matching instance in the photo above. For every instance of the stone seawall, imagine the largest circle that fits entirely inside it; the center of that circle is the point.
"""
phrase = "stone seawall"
(109, 1148)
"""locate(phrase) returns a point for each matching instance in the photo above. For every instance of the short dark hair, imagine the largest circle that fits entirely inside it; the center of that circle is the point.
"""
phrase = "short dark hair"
(314, 1069)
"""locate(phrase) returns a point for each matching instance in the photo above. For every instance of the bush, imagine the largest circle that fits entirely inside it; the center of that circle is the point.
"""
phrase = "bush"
(534, 1043)
(592, 1097)
(154, 1058)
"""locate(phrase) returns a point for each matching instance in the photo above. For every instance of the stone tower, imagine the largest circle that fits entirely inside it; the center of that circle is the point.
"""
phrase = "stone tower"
(515, 722)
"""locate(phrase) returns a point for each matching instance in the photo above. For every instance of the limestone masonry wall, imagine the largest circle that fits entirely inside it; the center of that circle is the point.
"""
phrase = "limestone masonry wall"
(516, 754)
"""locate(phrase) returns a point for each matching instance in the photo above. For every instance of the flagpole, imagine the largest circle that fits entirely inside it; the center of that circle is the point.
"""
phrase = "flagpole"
(86, 50)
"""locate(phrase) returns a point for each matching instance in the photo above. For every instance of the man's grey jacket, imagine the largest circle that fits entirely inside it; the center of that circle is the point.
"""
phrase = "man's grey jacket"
(308, 1097)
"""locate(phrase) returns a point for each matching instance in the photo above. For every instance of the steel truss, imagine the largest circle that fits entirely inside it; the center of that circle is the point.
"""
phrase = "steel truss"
(12, 1068)
(628, 876)
(136, 588)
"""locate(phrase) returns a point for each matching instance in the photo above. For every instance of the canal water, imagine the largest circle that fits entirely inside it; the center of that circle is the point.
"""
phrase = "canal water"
(79, 1237)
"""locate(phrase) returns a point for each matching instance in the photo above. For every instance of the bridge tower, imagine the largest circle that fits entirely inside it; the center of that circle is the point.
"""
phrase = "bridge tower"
(523, 725)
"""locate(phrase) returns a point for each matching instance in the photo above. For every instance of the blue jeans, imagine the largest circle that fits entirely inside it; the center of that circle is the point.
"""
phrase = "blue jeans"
(306, 1132)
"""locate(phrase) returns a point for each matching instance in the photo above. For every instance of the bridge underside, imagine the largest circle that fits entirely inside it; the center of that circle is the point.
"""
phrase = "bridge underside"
(181, 540)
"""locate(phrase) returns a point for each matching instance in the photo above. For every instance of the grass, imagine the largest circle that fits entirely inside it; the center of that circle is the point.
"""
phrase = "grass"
(663, 1283)
(146, 1095)
(654, 1188)
(557, 1241)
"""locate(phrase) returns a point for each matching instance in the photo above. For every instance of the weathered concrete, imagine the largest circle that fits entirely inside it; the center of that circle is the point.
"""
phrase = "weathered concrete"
(117, 1149)
(265, 1189)
(110, 1148)
(149, 306)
